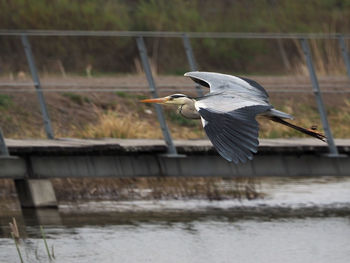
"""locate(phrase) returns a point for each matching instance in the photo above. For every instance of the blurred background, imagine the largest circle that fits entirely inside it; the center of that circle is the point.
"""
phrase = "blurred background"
(92, 87)
(67, 63)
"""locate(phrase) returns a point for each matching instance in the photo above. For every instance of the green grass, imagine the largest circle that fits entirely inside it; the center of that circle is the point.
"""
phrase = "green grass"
(76, 98)
(5, 101)
(128, 95)
(117, 54)
(123, 94)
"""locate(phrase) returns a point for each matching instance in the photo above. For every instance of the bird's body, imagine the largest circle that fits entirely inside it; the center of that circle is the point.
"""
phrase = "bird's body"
(228, 113)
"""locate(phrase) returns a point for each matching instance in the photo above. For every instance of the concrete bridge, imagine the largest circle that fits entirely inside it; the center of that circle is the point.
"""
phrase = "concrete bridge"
(33, 162)
(141, 157)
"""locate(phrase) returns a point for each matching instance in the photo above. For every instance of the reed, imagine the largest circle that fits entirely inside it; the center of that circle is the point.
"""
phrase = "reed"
(14, 228)
(15, 236)
(326, 57)
(17, 247)
(46, 246)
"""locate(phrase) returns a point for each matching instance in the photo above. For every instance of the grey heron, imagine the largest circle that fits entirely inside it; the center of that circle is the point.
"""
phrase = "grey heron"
(228, 113)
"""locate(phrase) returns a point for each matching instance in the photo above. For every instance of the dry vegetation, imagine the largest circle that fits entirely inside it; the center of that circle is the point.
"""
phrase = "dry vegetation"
(326, 57)
(110, 124)
(130, 189)
(159, 188)
(121, 115)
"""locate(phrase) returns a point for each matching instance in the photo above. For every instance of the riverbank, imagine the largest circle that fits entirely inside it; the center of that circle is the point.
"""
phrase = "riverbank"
(117, 113)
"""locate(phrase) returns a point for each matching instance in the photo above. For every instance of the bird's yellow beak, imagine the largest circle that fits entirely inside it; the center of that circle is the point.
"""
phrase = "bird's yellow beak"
(157, 100)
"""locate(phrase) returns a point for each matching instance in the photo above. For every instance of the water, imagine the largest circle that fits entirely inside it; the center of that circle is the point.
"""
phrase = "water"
(300, 220)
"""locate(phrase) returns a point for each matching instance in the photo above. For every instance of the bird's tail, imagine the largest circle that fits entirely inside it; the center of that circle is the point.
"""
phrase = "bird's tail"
(312, 132)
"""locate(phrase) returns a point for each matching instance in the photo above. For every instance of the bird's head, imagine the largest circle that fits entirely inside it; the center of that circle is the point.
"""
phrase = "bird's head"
(177, 99)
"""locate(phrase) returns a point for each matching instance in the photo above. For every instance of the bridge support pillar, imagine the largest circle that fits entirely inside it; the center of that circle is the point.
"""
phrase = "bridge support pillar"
(36, 193)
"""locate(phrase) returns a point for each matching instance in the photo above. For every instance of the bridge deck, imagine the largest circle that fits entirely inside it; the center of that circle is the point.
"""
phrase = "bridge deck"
(69, 146)
(135, 158)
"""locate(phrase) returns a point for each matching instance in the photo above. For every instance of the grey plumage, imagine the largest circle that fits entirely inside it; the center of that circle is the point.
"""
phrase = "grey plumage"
(229, 119)
(228, 113)
(234, 134)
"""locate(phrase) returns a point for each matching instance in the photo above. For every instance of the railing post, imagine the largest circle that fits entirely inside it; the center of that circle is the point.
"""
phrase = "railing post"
(144, 59)
(35, 77)
(316, 89)
(3, 148)
(345, 54)
(191, 60)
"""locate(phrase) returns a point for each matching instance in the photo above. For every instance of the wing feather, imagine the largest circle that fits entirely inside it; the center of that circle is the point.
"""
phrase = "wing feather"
(232, 148)
(234, 134)
(222, 148)
(218, 82)
(242, 150)
(250, 146)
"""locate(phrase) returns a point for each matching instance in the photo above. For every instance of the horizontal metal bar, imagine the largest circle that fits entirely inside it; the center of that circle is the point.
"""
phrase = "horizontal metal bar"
(162, 90)
(263, 35)
(342, 85)
(171, 34)
(57, 84)
(94, 90)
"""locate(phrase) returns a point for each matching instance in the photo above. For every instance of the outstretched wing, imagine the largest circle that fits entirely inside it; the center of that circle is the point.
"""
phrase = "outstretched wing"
(230, 125)
(219, 83)
(228, 113)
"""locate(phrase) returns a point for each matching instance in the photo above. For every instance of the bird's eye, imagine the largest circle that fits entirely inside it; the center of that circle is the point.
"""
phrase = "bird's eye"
(176, 96)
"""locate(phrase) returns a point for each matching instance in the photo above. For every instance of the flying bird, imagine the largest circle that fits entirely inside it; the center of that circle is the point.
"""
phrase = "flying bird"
(228, 113)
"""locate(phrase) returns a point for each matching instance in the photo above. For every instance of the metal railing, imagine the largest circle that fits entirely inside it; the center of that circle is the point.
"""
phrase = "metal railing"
(79, 33)
(3, 149)
(186, 36)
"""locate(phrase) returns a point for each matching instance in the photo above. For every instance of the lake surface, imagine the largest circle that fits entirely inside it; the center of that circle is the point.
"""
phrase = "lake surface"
(299, 220)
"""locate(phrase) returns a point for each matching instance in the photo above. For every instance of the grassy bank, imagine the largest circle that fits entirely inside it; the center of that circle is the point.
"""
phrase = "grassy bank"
(121, 115)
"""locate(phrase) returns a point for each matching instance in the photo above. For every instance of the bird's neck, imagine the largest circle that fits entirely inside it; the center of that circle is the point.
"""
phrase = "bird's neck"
(188, 110)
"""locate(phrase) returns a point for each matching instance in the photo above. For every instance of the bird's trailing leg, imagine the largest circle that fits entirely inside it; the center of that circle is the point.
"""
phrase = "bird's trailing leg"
(311, 132)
